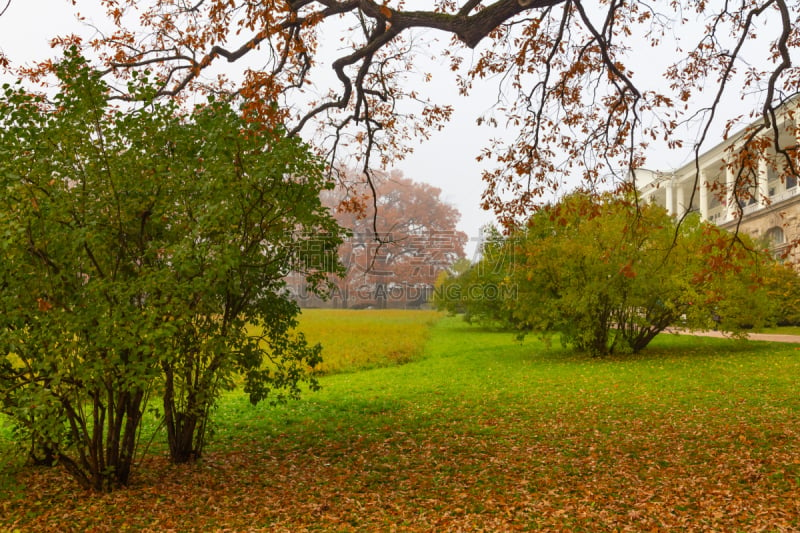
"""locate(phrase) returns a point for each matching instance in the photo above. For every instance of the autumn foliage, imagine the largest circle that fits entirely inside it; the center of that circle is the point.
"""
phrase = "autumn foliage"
(400, 240)
(572, 106)
(575, 100)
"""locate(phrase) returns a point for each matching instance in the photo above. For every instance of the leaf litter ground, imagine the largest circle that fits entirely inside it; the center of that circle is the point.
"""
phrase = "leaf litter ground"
(482, 433)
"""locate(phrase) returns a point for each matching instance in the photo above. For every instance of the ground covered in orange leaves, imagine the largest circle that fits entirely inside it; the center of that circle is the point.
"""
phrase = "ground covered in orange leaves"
(480, 434)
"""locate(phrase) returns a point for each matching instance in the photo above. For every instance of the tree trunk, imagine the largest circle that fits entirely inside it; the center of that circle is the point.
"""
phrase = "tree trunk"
(107, 445)
(181, 424)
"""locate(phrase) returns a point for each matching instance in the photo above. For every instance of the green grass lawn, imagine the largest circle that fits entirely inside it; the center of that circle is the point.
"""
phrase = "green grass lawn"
(479, 432)
(782, 330)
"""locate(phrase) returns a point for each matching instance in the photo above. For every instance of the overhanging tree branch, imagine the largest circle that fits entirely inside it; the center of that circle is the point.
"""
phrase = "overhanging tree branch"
(571, 101)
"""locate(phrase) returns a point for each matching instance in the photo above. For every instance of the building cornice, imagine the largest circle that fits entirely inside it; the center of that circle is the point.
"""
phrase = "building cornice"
(773, 208)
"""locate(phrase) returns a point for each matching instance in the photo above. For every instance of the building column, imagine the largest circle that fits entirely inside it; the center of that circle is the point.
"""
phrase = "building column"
(763, 181)
(703, 195)
(670, 202)
(730, 203)
(681, 201)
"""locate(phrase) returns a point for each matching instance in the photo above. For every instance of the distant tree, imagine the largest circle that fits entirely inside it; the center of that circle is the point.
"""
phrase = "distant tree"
(394, 255)
(143, 254)
(481, 291)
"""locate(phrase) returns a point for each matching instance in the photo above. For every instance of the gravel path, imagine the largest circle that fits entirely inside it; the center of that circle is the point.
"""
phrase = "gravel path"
(771, 337)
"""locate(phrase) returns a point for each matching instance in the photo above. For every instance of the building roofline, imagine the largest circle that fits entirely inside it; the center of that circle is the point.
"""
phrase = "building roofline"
(791, 102)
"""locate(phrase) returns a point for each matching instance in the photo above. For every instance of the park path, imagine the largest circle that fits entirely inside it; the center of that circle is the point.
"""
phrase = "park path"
(770, 337)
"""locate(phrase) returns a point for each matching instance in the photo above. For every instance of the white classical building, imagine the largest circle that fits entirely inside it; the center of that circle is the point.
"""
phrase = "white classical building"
(768, 206)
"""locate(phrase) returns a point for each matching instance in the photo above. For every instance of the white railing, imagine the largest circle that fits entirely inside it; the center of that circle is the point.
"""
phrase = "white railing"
(746, 210)
(774, 199)
(717, 215)
(785, 194)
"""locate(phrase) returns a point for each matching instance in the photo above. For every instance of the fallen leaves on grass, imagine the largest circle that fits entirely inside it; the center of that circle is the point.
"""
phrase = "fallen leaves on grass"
(654, 474)
(479, 436)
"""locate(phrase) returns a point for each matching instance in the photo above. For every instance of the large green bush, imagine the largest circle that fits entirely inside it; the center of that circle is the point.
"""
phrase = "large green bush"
(607, 275)
(141, 249)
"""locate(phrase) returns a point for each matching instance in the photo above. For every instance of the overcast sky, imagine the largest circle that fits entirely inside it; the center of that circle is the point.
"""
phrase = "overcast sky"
(447, 160)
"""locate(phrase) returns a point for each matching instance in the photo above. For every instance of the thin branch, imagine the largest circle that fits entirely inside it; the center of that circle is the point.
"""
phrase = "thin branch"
(724, 78)
(603, 43)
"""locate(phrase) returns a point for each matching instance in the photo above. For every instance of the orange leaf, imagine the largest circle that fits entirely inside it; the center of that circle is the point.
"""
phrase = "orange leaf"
(43, 304)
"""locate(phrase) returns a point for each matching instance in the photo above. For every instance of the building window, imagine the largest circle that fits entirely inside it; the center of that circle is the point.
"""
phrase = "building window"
(791, 182)
(775, 236)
